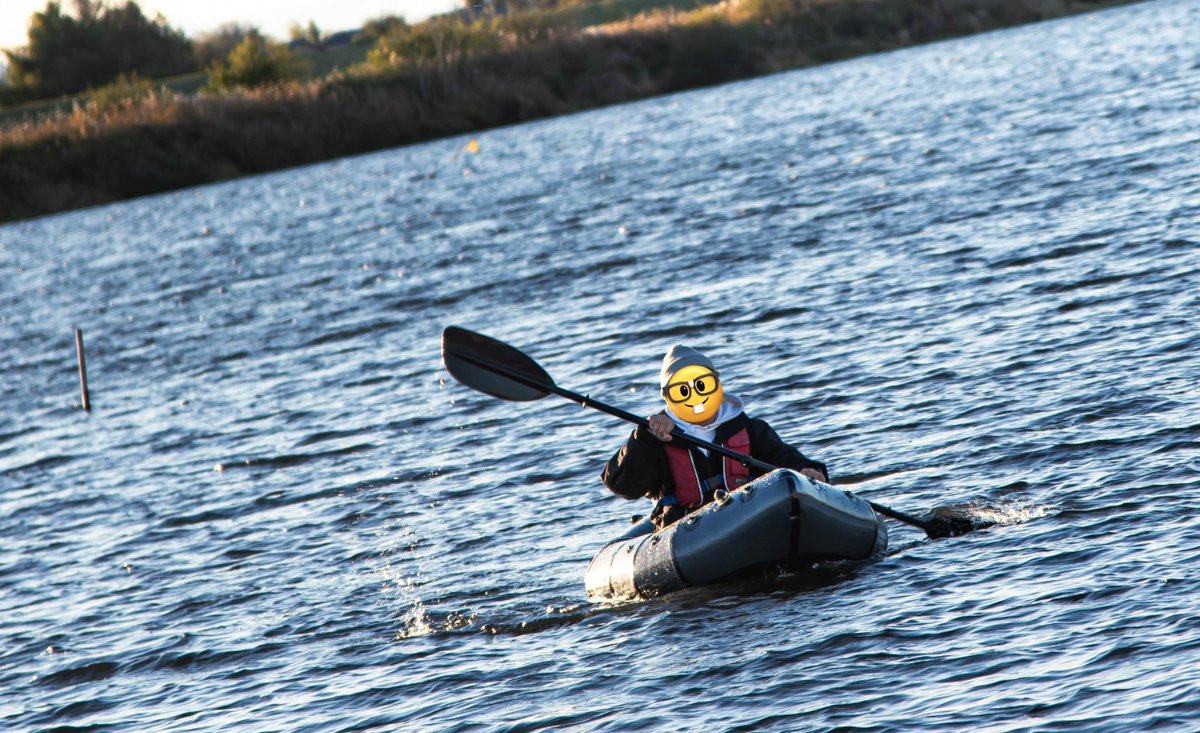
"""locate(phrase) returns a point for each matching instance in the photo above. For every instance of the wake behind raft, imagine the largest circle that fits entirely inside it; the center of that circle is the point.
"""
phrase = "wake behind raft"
(779, 522)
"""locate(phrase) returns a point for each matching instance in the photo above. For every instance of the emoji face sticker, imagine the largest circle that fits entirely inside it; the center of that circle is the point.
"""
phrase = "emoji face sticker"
(694, 394)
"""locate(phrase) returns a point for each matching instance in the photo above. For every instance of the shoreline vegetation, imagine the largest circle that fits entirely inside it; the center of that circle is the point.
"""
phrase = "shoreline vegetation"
(447, 77)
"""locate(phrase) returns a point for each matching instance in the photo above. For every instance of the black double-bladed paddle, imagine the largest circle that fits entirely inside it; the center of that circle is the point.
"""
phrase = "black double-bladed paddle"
(497, 369)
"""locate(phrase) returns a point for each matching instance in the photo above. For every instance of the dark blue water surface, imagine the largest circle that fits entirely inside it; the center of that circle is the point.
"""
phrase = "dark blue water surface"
(964, 275)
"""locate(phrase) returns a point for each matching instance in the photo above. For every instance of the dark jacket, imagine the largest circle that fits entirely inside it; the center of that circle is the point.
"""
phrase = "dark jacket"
(640, 468)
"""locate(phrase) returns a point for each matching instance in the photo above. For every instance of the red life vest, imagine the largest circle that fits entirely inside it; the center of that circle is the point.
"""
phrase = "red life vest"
(687, 478)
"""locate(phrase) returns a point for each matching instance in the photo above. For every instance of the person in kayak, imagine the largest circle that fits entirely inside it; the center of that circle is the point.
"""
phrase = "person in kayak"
(682, 479)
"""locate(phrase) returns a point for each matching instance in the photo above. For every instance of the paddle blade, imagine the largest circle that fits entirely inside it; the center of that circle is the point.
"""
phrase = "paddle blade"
(493, 367)
(947, 522)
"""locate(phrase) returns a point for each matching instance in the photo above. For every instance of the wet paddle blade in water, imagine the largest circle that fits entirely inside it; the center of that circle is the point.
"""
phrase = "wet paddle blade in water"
(946, 522)
(493, 367)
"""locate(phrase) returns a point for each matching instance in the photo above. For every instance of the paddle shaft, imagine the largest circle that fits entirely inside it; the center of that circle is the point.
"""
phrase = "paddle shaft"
(676, 433)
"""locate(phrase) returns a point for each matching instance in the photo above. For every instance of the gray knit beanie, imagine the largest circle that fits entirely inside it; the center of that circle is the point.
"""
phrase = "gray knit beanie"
(679, 357)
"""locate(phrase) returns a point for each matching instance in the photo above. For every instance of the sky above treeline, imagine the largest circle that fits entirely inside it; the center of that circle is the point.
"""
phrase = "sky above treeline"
(273, 17)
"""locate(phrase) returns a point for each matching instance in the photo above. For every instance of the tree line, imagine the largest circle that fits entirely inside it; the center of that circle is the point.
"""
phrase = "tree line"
(68, 53)
(111, 49)
(96, 43)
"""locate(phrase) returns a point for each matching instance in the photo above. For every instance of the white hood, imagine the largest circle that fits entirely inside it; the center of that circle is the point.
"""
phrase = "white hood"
(731, 407)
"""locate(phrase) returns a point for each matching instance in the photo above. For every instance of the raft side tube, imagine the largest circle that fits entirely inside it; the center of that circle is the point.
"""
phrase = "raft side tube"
(643, 567)
(656, 570)
(832, 524)
(606, 572)
(751, 527)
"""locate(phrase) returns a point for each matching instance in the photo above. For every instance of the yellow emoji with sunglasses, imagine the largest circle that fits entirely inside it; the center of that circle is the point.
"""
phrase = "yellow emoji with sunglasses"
(681, 479)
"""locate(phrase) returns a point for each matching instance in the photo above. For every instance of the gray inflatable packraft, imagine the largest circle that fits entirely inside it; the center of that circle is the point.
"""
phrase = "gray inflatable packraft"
(782, 520)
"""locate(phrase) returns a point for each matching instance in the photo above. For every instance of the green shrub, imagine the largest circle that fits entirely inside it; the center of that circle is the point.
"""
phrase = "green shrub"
(216, 45)
(124, 91)
(439, 41)
(377, 28)
(256, 62)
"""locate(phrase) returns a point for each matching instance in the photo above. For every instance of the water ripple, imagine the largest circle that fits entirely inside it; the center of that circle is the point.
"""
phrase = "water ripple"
(960, 274)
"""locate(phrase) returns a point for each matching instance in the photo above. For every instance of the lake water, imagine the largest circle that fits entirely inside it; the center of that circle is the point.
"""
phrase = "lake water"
(964, 275)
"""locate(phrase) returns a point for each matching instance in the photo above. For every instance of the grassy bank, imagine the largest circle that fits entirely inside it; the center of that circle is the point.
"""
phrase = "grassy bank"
(163, 141)
(323, 62)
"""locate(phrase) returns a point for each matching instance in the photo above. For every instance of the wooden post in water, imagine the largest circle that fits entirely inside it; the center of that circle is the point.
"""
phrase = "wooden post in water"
(83, 387)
